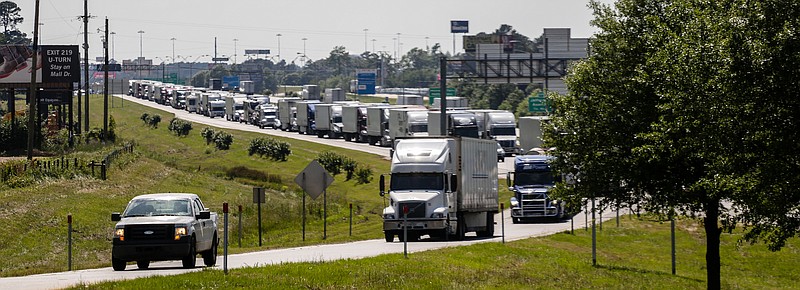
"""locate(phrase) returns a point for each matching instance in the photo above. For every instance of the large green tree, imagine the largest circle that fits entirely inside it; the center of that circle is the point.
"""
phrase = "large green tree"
(689, 106)
(9, 19)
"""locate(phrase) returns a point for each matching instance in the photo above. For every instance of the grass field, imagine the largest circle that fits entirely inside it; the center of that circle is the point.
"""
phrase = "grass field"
(633, 256)
(34, 239)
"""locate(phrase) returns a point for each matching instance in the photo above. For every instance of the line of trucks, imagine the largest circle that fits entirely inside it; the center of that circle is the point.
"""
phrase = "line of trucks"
(442, 183)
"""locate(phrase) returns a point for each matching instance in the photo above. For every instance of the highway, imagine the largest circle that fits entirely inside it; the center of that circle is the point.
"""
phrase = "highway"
(504, 229)
(354, 250)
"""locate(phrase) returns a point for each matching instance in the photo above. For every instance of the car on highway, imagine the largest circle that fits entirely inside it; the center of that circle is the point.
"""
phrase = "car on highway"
(164, 226)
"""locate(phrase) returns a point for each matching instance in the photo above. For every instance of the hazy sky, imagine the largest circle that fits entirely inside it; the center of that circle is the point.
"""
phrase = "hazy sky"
(255, 23)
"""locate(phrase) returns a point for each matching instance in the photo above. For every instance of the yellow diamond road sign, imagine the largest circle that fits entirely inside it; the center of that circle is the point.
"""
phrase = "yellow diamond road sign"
(314, 179)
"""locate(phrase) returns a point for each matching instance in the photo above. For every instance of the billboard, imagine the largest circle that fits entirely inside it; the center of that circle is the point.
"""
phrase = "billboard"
(366, 81)
(459, 26)
(56, 64)
(230, 82)
(256, 51)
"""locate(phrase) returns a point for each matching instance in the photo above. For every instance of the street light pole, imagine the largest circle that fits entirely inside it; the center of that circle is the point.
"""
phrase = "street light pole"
(365, 40)
(112, 44)
(139, 61)
(279, 46)
(235, 40)
(304, 51)
(173, 49)
(373, 44)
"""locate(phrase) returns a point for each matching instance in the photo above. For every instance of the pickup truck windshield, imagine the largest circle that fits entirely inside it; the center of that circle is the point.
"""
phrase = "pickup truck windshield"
(417, 181)
(158, 207)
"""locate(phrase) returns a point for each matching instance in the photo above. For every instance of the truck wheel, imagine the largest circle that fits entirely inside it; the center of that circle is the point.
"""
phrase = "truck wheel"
(190, 261)
(320, 134)
(389, 237)
(210, 256)
(143, 264)
(117, 264)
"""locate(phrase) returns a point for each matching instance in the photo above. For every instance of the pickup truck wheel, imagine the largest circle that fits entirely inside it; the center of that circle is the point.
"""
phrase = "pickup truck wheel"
(143, 264)
(190, 261)
(117, 264)
(210, 256)
(389, 237)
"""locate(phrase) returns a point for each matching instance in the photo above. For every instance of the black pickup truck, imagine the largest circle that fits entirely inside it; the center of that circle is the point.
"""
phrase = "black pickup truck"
(164, 226)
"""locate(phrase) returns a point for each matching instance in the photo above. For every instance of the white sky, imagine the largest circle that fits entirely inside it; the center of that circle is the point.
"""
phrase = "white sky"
(255, 23)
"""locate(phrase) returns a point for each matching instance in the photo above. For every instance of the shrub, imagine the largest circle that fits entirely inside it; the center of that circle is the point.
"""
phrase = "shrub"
(223, 140)
(208, 134)
(275, 150)
(252, 174)
(180, 127)
(112, 129)
(363, 175)
(334, 163)
(93, 136)
(331, 161)
(151, 120)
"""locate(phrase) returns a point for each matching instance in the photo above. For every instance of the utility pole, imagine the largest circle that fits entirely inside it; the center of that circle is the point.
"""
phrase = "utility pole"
(105, 83)
(173, 48)
(86, 63)
(34, 103)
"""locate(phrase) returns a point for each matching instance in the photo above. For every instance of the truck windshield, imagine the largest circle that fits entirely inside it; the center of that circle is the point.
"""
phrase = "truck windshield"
(158, 207)
(534, 178)
(504, 131)
(417, 181)
(418, 128)
(466, 132)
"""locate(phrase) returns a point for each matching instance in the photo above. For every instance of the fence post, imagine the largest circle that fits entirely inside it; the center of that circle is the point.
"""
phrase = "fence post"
(91, 164)
(351, 219)
(69, 242)
(240, 226)
(225, 242)
(103, 170)
(503, 221)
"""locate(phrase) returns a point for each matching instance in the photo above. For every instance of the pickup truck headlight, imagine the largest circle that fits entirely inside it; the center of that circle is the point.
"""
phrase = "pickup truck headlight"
(120, 234)
(179, 232)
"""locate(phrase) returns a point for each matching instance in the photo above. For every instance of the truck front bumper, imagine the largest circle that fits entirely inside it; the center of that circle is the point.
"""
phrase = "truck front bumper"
(415, 224)
(518, 212)
(150, 250)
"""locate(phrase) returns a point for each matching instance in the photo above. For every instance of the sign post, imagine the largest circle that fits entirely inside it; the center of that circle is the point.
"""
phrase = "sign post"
(314, 187)
(258, 198)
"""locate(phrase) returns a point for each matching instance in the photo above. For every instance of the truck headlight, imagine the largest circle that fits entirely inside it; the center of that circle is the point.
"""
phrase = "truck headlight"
(120, 234)
(180, 231)
(514, 202)
(437, 215)
(388, 216)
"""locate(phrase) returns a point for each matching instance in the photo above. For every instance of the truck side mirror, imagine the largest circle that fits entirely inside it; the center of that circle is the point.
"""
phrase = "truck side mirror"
(383, 185)
(453, 183)
(115, 217)
(204, 215)
(508, 179)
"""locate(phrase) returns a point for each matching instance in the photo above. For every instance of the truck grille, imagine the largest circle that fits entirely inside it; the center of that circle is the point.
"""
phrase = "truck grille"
(533, 204)
(415, 209)
(149, 232)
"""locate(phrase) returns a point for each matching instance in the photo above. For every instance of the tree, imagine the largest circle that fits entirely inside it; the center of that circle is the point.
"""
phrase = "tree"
(9, 19)
(689, 106)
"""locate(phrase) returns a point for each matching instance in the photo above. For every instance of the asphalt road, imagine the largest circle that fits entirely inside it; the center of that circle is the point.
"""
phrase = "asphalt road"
(504, 230)
(318, 253)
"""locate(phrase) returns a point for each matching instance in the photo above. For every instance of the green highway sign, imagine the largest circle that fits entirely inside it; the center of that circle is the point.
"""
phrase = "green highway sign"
(435, 93)
(538, 104)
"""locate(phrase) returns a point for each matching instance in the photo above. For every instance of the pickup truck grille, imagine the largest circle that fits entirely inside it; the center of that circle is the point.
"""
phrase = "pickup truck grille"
(415, 209)
(149, 232)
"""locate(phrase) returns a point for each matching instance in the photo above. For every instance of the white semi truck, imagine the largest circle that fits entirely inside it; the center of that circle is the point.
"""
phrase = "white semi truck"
(329, 120)
(442, 187)
(287, 113)
(530, 131)
(234, 107)
(499, 125)
(459, 123)
(306, 116)
(408, 122)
